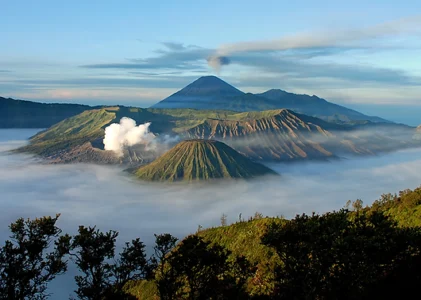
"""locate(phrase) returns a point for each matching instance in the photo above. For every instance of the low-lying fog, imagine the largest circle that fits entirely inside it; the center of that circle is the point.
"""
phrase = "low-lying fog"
(106, 197)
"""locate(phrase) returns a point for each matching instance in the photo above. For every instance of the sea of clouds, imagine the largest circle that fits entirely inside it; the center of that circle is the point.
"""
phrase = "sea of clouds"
(110, 199)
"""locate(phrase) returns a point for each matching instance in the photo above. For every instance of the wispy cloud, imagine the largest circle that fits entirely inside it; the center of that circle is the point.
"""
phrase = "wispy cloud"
(311, 62)
(297, 55)
(175, 56)
(277, 64)
(331, 38)
(145, 82)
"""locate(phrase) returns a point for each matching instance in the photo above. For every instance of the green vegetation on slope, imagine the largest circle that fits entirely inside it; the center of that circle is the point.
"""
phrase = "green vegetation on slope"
(244, 239)
(72, 132)
(193, 160)
(404, 208)
(274, 135)
(89, 126)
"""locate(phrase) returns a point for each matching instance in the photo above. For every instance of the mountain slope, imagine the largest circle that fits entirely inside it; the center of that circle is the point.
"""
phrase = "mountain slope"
(315, 106)
(210, 92)
(273, 135)
(28, 114)
(80, 138)
(194, 160)
(269, 135)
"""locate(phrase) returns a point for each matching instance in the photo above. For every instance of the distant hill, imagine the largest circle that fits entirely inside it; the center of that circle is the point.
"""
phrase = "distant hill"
(210, 92)
(28, 114)
(194, 160)
(315, 106)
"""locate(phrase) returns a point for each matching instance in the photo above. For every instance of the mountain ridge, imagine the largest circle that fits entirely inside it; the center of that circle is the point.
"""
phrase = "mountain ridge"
(211, 92)
(314, 105)
(274, 135)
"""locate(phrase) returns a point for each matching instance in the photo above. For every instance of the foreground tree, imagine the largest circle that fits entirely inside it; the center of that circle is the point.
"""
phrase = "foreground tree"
(104, 276)
(167, 280)
(195, 269)
(32, 258)
(342, 254)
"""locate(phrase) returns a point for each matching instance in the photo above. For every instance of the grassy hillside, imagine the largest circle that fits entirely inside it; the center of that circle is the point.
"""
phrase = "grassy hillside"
(88, 127)
(72, 132)
(193, 160)
(244, 238)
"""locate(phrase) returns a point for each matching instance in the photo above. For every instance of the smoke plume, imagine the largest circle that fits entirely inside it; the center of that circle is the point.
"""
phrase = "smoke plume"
(216, 62)
(119, 136)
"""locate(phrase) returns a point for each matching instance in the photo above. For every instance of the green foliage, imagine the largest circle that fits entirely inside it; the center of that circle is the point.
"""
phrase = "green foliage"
(201, 159)
(166, 277)
(404, 208)
(142, 289)
(244, 239)
(25, 266)
(203, 271)
(340, 253)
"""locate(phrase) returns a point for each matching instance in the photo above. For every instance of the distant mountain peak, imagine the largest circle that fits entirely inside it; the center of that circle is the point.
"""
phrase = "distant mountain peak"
(211, 85)
(211, 92)
(209, 78)
(279, 91)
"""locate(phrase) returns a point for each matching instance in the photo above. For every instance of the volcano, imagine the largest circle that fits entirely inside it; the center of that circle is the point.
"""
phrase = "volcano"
(195, 160)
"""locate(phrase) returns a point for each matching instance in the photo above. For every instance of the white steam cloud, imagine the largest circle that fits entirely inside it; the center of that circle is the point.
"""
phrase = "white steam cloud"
(126, 134)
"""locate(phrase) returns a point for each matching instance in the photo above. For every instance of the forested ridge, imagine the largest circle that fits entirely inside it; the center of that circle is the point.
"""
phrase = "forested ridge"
(358, 252)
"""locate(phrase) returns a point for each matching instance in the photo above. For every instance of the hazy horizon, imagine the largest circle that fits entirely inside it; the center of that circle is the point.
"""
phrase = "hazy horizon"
(409, 115)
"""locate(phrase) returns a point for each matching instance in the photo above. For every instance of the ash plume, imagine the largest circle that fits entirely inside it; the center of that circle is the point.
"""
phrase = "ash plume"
(217, 61)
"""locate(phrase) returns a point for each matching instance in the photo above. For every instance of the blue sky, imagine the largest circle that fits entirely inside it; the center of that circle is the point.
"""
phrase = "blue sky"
(358, 53)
